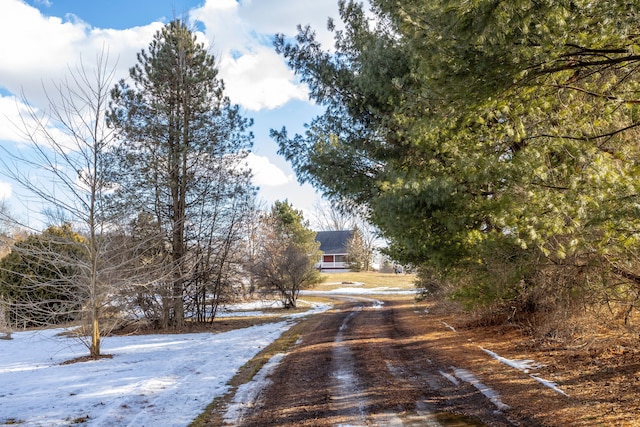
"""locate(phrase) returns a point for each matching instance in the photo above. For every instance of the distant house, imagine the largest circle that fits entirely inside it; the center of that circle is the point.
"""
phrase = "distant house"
(333, 245)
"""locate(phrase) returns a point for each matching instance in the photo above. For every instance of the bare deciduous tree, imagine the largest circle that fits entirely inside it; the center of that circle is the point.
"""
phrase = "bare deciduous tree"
(328, 217)
(217, 254)
(6, 229)
(63, 170)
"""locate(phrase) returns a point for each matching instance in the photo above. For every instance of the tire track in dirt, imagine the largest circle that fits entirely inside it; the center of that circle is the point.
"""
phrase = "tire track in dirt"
(407, 374)
(347, 395)
(364, 363)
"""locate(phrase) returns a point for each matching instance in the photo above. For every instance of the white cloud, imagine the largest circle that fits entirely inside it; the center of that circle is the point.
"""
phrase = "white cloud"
(260, 79)
(38, 50)
(265, 173)
(26, 125)
(5, 190)
(241, 36)
(283, 16)
(10, 110)
(32, 39)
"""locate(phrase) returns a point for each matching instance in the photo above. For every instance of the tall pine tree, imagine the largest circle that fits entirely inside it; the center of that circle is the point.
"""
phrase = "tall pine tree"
(181, 144)
(491, 140)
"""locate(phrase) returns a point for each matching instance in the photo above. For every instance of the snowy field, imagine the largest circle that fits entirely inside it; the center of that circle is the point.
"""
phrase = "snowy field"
(152, 380)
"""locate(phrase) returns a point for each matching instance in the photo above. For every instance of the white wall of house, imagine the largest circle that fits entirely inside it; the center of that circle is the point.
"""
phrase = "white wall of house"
(333, 263)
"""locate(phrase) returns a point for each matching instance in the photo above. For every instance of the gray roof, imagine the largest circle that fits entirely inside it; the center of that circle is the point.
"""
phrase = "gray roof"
(334, 242)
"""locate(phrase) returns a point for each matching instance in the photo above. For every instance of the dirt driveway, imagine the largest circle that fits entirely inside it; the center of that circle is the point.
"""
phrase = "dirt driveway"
(390, 361)
(368, 362)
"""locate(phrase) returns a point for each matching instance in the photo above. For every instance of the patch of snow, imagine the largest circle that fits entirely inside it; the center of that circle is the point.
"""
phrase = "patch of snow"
(553, 386)
(345, 324)
(226, 314)
(450, 377)
(252, 309)
(525, 366)
(377, 305)
(448, 326)
(315, 308)
(361, 291)
(248, 308)
(248, 394)
(488, 392)
(347, 392)
(163, 380)
(521, 365)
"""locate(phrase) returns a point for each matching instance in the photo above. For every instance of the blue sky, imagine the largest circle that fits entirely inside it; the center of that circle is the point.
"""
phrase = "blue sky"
(43, 38)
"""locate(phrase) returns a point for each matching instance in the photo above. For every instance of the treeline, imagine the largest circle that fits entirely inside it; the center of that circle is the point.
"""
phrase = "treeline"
(152, 211)
(494, 144)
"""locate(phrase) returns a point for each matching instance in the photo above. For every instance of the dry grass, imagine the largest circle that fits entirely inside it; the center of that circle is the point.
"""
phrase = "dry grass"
(368, 279)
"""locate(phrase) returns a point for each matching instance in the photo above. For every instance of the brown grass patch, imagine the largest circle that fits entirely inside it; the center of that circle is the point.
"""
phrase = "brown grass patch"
(368, 279)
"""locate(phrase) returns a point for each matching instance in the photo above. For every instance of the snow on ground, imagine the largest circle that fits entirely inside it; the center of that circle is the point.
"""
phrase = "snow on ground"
(448, 326)
(450, 377)
(248, 394)
(552, 385)
(151, 380)
(521, 365)
(249, 308)
(488, 392)
(383, 290)
(525, 366)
